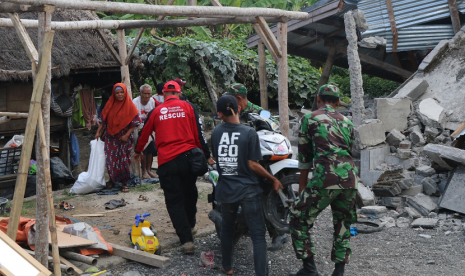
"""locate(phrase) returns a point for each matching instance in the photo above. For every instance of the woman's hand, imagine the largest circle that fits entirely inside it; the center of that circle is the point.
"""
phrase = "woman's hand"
(97, 135)
(124, 138)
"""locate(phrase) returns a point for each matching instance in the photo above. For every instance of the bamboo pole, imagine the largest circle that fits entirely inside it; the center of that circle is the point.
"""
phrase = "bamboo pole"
(14, 114)
(184, 11)
(125, 77)
(282, 81)
(210, 86)
(31, 125)
(136, 24)
(262, 76)
(42, 211)
(49, 196)
(269, 36)
(265, 41)
(25, 72)
(134, 45)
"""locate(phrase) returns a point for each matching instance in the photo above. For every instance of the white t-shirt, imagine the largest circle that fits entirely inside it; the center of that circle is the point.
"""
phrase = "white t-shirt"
(144, 109)
(159, 98)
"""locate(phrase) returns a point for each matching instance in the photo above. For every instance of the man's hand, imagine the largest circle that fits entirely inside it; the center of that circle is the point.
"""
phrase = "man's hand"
(137, 157)
(210, 161)
(277, 185)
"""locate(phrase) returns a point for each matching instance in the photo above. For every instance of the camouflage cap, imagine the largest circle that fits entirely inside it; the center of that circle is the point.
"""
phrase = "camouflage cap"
(328, 90)
(237, 88)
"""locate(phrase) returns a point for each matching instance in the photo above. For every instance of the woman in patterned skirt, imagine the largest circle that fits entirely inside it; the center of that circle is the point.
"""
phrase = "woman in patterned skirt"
(119, 119)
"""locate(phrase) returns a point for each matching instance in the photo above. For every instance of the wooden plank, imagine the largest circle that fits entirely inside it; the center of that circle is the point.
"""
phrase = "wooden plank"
(89, 215)
(31, 125)
(134, 45)
(68, 241)
(458, 130)
(28, 45)
(262, 76)
(383, 65)
(454, 15)
(283, 81)
(265, 41)
(273, 42)
(392, 21)
(109, 47)
(68, 263)
(140, 256)
(325, 74)
(21, 252)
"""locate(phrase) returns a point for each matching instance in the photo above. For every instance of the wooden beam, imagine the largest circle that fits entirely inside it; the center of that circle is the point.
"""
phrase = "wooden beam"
(109, 47)
(392, 21)
(454, 15)
(137, 24)
(10, 7)
(125, 77)
(265, 41)
(140, 256)
(191, 3)
(28, 45)
(326, 72)
(34, 109)
(14, 114)
(273, 42)
(183, 11)
(319, 38)
(382, 53)
(283, 81)
(25, 72)
(210, 86)
(216, 3)
(134, 45)
(411, 55)
(383, 65)
(170, 2)
(262, 76)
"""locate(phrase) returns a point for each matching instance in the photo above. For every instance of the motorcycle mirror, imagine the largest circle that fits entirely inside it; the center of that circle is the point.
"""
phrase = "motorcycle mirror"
(265, 114)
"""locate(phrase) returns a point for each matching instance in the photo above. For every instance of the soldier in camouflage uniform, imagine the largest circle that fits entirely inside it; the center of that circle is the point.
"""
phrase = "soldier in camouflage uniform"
(239, 91)
(325, 143)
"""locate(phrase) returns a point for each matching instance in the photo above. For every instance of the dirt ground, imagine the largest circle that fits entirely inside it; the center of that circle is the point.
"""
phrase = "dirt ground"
(115, 225)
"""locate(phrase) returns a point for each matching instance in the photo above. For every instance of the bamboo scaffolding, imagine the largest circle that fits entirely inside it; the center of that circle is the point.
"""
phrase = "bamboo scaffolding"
(184, 11)
(135, 24)
(14, 114)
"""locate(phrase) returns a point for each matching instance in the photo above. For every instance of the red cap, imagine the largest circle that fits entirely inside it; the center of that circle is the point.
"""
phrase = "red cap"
(180, 81)
(172, 86)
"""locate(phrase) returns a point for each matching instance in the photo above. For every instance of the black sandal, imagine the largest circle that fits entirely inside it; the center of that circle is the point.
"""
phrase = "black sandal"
(124, 189)
(109, 184)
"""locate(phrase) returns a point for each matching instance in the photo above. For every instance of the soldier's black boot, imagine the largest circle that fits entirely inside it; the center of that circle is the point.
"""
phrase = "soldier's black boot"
(278, 242)
(338, 269)
(309, 268)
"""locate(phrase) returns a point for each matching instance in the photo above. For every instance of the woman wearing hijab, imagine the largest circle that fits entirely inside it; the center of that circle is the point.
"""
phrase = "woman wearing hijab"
(119, 119)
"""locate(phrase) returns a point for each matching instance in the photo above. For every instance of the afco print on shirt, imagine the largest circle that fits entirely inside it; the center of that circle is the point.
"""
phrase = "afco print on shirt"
(227, 153)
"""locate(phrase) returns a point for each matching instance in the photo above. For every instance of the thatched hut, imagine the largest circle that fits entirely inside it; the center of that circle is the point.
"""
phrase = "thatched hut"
(82, 57)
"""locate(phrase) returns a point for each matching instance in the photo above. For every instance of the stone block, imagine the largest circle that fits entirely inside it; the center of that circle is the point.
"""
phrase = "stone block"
(425, 171)
(394, 202)
(394, 138)
(422, 203)
(393, 112)
(454, 194)
(426, 223)
(429, 186)
(411, 164)
(417, 138)
(386, 189)
(405, 144)
(406, 183)
(403, 222)
(370, 134)
(378, 211)
(413, 190)
(413, 89)
(431, 133)
(445, 155)
(371, 158)
(431, 114)
(365, 196)
(403, 153)
(452, 125)
(388, 222)
(392, 160)
(412, 213)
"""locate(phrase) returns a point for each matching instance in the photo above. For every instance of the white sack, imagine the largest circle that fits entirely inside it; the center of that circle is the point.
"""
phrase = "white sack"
(94, 179)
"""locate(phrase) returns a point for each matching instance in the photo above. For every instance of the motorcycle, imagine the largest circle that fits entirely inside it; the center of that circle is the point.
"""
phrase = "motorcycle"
(277, 153)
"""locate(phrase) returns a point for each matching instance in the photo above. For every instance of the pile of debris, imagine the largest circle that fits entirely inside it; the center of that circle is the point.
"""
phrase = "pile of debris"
(411, 146)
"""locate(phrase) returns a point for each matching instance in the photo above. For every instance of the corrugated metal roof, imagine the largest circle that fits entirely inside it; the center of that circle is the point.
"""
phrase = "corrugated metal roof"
(409, 17)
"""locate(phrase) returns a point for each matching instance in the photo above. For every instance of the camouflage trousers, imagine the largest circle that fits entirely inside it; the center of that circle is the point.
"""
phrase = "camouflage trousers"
(310, 204)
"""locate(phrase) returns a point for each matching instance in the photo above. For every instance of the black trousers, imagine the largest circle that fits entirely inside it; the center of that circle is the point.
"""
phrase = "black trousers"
(178, 184)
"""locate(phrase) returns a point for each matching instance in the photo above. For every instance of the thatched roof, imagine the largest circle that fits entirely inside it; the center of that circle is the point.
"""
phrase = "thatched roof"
(71, 49)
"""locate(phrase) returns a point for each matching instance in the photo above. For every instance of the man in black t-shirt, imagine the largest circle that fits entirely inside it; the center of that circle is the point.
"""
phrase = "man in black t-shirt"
(237, 149)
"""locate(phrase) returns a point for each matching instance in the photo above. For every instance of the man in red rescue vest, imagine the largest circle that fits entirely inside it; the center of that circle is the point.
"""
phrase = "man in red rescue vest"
(178, 129)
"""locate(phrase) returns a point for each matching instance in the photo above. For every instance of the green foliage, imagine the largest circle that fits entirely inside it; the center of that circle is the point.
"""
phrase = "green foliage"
(372, 86)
